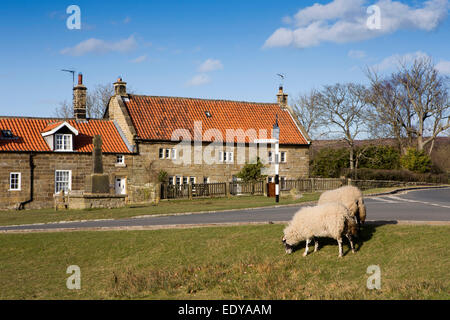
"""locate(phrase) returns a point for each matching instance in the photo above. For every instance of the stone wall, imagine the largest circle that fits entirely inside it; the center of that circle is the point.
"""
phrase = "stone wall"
(44, 175)
(147, 165)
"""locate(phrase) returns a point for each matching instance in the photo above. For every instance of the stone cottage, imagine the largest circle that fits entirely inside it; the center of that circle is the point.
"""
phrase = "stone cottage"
(193, 140)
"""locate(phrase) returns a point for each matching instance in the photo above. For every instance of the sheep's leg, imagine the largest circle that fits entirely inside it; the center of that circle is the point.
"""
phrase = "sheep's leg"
(340, 246)
(308, 241)
(349, 237)
(316, 244)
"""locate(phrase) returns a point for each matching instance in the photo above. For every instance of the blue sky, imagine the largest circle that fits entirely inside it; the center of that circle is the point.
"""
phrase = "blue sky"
(207, 49)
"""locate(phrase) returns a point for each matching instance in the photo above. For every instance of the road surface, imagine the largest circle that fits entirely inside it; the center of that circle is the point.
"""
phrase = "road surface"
(418, 205)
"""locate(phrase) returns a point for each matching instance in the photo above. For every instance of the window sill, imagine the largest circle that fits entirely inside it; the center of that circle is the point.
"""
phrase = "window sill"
(14, 190)
(120, 165)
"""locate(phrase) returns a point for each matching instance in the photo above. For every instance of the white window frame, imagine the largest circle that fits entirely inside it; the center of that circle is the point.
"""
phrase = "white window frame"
(281, 156)
(270, 156)
(166, 153)
(69, 187)
(178, 179)
(19, 181)
(184, 178)
(120, 159)
(171, 180)
(192, 180)
(270, 179)
(173, 154)
(65, 147)
(161, 153)
(226, 157)
(207, 179)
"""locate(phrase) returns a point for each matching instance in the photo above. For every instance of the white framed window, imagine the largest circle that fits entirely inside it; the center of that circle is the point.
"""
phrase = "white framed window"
(171, 180)
(173, 153)
(271, 179)
(167, 153)
(185, 180)
(178, 180)
(161, 153)
(120, 159)
(63, 142)
(225, 156)
(192, 180)
(205, 179)
(270, 157)
(15, 181)
(63, 180)
(283, 156)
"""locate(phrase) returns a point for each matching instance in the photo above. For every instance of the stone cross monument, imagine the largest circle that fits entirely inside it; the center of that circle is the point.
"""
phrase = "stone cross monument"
(97, 182)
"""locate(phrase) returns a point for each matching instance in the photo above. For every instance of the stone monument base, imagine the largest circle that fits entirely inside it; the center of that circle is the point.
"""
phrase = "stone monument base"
(98, 200)
(97, 183)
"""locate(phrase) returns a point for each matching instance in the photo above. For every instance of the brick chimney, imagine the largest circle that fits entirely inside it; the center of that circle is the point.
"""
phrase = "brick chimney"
(79, 99)
(282, 97)
(120, 87)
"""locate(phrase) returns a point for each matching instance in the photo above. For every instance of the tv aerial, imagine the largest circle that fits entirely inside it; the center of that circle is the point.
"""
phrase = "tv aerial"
(73, 75)
(282, 76)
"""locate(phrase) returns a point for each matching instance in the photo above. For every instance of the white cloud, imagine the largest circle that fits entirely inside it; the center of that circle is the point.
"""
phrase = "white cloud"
(443, 67)
(342, 21)
(210, 65)
(357, 54)
(139, 59)
(392, 61)
(99, 46)
(198, 80)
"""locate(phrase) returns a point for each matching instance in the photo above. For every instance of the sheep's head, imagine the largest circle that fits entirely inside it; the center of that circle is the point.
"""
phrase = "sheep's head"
(289, 248)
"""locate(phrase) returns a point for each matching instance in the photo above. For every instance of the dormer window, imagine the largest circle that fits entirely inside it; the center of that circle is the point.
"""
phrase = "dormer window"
(63, 142)
(59, 136)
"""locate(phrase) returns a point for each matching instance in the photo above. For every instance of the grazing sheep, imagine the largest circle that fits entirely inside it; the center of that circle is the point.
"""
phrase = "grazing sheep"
(349, 196)
(328, 220)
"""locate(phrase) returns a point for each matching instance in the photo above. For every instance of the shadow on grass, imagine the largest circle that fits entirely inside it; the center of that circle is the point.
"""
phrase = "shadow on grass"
(366, 233)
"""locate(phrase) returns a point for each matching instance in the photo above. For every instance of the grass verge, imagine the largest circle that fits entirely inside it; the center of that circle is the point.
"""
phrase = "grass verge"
(164, 207)
(245, 262)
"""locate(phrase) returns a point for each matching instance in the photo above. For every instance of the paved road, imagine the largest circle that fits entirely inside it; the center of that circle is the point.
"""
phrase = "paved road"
(420, 205)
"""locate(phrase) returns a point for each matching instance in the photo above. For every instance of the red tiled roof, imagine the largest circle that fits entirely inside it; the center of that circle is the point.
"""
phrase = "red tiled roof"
(27, 135)
(52, 126)
(155, 118)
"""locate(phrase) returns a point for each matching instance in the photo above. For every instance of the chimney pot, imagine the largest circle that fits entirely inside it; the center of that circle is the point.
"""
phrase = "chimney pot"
(282, 97)
(120, 87)
(79, 99)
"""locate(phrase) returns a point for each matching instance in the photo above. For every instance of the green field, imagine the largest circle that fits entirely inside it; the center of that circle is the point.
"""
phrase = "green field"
(164, 207)
(245, 262)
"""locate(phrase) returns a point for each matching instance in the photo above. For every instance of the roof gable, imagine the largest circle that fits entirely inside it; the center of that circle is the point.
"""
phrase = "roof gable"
(55, 127)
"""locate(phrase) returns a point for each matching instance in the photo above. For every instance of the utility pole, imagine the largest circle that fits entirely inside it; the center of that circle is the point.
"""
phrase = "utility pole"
(276, 137)
(274, 141)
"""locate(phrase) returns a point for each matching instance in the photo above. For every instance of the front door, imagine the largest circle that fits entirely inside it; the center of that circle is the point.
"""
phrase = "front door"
(120, 186)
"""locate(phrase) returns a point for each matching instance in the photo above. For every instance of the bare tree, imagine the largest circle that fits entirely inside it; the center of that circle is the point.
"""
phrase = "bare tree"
(413, 103)
(307, 111)
(97, 100)
(64, 110)
(343, 113)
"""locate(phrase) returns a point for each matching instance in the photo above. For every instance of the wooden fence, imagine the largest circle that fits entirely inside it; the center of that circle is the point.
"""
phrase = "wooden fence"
(222, 189)
(239, 188)
(312, 184)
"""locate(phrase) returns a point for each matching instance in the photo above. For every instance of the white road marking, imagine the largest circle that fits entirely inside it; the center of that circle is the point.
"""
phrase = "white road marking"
(384, 200)
(396, 199)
